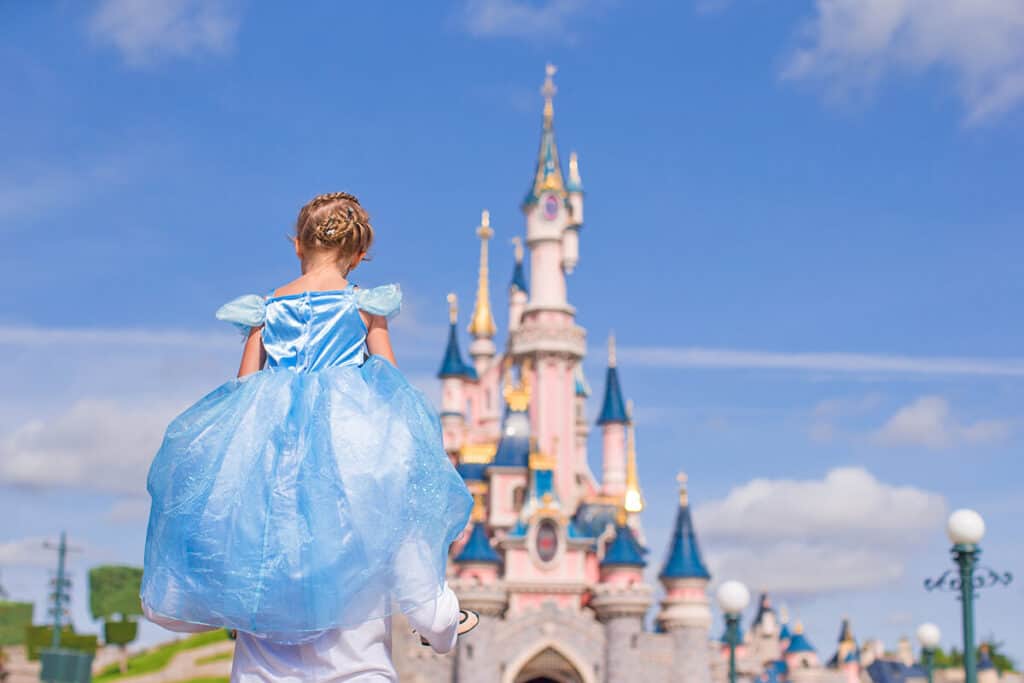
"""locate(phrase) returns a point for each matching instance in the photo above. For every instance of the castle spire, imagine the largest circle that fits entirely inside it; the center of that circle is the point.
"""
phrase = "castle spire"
(634, 500)
(452, 365)
(613, 409)
(549, 172)
(575, 183)
(518, 274)
(684, 560)
(482, 323)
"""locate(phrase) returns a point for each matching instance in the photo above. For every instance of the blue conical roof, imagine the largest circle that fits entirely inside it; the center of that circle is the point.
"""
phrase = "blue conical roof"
(798, 642)
(624, 550)
(784, 633)
(613, 409)
(514, 446)
(478, 547)
(472, 471)
(764, 607)
(519, 278)
(452, 365)
(684, 561)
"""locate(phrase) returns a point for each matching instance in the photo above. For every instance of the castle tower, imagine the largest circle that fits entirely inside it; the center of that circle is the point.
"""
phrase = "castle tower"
(801, 657)
(453, 374)
(508, 471)
(621, 600)
(685, 613)
(582, 391)
(547, 334)
(613, 421)
(847, 656)
(482, 326)
(571, 237)
(518, 291)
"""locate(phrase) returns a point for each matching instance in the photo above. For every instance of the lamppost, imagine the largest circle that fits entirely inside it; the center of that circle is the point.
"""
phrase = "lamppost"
(929, 636)
(965, 529)
(733, 598)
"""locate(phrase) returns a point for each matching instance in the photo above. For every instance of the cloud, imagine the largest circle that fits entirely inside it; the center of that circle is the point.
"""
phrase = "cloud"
(856, 363)
(97, 444)
(846, 531)
(928, 422)
(521, 18)
(27, 552)
(829, 412)
(35, 190)
(147, 32)
(851, 45)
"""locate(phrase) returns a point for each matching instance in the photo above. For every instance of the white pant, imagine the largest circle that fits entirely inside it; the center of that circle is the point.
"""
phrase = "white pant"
(361, 654)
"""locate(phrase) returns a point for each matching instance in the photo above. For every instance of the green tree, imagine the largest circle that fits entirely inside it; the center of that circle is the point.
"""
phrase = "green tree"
(114, 598)
(955, 658)
(14, 617)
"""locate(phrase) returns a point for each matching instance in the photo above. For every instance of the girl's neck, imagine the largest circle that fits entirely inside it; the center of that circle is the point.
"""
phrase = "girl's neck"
(321, 266)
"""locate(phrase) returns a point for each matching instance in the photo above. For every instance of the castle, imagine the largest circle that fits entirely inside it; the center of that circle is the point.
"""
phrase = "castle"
(553, 558)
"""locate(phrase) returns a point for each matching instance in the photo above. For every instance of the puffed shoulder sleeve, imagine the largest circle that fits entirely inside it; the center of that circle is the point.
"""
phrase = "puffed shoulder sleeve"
(245, 312)
(385, 300)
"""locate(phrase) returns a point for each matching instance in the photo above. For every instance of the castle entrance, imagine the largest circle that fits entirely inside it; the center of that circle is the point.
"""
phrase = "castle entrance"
(549, 666)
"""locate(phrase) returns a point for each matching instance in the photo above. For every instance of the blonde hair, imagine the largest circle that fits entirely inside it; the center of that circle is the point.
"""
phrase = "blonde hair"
(335, 222)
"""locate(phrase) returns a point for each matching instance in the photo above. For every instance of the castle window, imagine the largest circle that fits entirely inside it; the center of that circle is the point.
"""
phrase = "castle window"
(518, 496)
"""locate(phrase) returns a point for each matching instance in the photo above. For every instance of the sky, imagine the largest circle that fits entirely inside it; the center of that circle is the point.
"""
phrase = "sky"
(803, 226)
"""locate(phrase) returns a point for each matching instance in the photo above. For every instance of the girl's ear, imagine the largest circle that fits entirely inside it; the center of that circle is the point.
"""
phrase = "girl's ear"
(298, 248)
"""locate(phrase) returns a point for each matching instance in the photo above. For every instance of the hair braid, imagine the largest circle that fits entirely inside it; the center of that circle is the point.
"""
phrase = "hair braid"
(335, 221)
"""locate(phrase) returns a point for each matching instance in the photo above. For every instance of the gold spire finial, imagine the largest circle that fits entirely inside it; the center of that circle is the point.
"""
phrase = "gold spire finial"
(548, 90)
(684, 498)
(517, 243)
(620, 516)
(482, 324)
(453, 307)
(517, 396)
(479, 512)
(634, 500)
(611, 349)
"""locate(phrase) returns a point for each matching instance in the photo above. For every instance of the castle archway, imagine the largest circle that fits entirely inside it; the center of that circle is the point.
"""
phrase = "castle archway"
(549, 664)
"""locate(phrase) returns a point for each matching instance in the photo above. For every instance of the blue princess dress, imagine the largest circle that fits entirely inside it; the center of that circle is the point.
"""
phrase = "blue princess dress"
(314, 494)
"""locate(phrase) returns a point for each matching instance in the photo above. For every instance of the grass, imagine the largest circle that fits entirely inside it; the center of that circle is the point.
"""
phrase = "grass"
(157, 658)
(220, 656)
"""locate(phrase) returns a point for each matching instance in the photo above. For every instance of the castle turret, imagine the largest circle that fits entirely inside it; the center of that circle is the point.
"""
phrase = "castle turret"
(482, 326)
(518, 291)
(801, 657)
(613, 421)
(621, 600)
(581, 391)
(478, 559)
(571, 237)
(507, 473)
(685, 612)
(453, 374)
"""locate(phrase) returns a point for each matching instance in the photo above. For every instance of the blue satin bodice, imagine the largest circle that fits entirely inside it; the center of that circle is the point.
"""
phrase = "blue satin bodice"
(311, 331)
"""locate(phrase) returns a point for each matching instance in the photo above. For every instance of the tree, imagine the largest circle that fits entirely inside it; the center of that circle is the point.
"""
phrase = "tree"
(14, 617)
(114, 592)
(955, 658)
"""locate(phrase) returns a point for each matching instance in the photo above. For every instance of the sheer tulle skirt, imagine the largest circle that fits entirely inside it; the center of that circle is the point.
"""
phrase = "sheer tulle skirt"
(285, 504)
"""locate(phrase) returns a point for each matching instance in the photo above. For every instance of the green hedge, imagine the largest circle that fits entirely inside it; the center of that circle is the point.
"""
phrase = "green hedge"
(14, 617)
(119, 632)
(41, 637)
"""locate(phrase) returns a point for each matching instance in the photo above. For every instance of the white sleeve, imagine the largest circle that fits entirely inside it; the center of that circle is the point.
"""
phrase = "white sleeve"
(437, 620)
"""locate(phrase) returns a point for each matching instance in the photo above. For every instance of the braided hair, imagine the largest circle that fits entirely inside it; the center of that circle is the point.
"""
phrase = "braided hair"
(335, 221)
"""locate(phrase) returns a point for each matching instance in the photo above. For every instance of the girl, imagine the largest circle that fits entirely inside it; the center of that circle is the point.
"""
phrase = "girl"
(298, 503)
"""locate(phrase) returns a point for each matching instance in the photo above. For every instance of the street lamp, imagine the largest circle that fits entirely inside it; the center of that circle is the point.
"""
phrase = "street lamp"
(965, 529)
(928, 635)
(733, 598)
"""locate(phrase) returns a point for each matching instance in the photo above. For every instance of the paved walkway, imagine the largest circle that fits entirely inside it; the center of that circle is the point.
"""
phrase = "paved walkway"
(182, 666)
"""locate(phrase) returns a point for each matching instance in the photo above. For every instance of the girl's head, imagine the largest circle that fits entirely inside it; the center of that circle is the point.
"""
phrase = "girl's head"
(334, 224)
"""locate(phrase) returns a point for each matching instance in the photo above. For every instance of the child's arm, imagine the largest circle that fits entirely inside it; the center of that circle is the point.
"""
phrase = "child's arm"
(253, 356)
(378, 339)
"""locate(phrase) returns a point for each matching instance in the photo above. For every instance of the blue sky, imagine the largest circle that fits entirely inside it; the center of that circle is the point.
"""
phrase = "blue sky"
(803, 224)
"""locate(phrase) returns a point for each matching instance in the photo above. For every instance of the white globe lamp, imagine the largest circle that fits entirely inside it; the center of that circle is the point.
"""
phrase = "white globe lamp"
(965, 527)
(733, 597)
(928, 635)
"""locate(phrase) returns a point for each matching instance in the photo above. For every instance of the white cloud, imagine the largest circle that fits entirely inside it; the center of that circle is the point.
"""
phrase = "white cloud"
(928, 421)
(850, 45)
(846, 531)
(28, 552)
(829, 412)
(521, 18)
(150, 31)
(98, 445)
(857, 363)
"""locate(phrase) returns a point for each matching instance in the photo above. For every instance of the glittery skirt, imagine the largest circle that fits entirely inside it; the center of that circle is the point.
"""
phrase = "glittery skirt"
(285, 503)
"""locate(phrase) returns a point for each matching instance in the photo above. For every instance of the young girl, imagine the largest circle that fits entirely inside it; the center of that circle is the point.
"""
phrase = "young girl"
(298, 503)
